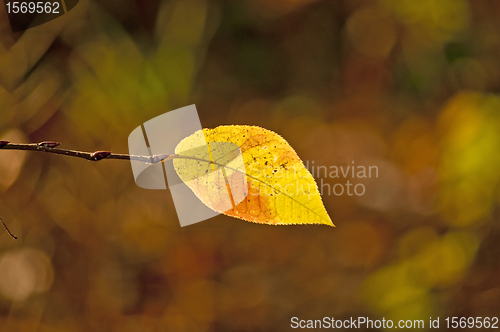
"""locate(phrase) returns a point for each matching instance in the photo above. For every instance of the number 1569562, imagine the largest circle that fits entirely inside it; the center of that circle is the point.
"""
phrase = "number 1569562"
(32, 7)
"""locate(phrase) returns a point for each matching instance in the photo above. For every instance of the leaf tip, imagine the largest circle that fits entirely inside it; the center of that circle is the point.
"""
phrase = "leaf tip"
(328, 223)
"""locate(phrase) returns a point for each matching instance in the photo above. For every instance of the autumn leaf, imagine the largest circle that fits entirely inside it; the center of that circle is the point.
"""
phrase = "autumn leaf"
(265, 178)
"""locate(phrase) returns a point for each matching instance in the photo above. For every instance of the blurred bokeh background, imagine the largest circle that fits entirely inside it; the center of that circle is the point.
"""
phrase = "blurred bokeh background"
(408, 86)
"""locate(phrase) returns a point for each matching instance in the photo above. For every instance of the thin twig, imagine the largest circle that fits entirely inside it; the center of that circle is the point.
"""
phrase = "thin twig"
(7, 230)
(50, 147)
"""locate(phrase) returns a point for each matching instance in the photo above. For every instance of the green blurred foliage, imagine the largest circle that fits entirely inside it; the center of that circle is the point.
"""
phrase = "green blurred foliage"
(407, 86)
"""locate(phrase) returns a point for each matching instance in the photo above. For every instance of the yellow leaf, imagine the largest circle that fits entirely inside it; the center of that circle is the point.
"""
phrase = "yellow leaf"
(280, 190)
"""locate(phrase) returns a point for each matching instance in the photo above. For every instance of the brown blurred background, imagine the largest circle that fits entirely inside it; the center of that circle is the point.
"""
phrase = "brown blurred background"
(407, 86)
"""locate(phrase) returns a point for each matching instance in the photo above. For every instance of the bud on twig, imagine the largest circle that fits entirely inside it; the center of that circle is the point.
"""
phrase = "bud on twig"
(49, 144)
(98, 155)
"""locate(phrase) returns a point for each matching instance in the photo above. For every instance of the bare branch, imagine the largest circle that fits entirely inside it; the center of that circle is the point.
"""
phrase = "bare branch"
(7, 230)
(51, 147)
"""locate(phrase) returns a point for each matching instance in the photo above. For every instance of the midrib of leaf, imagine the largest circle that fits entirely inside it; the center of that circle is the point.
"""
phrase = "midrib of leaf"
(177, 156)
